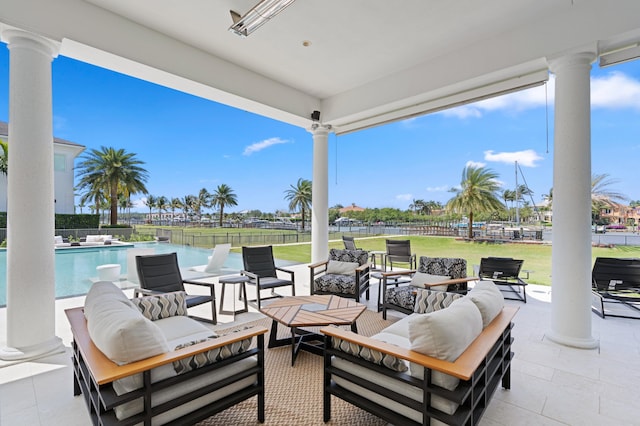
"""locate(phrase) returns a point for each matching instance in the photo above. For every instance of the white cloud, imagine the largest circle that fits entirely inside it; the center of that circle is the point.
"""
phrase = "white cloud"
(526, 158)
(476, 164)
(615, 91)
(141, 202)
(259, 146)
(404, 197)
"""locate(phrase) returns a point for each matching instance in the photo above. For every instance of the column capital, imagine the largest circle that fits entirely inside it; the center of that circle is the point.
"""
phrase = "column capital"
(320, 129)
(571, 60)
(27, 40)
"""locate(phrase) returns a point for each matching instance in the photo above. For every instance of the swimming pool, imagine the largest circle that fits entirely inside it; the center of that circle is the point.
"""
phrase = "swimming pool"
(76, 267)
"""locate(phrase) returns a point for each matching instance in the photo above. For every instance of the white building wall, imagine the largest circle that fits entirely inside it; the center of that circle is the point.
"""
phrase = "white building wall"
(65, 154)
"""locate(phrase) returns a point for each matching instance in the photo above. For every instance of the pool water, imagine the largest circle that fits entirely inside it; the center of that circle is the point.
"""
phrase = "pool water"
(76, 267)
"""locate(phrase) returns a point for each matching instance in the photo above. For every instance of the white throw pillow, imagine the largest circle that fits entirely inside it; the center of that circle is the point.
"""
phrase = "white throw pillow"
(58, 239)
(489, 300)
(101, 291)
(341, 268)
(445, 334)
(420, 278)
(122, 333)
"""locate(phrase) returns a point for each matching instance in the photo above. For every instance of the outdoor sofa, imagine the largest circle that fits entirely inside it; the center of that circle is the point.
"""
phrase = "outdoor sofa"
(143, 361)
(439, 365)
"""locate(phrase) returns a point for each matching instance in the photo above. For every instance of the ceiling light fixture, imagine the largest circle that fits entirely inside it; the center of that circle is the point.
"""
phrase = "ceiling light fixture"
(257, 16)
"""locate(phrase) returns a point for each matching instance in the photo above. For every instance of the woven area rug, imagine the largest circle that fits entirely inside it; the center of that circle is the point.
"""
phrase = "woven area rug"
(293, 395)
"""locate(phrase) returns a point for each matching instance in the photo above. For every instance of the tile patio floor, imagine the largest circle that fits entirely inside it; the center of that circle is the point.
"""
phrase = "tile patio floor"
(551, 384)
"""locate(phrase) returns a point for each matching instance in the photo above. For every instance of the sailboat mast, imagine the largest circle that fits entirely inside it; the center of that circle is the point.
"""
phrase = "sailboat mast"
(517, 198)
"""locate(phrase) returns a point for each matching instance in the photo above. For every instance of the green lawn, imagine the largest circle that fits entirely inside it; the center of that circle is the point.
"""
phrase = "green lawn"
(537, 258)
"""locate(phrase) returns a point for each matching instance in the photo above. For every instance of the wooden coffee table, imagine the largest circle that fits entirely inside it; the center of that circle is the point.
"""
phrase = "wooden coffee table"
(296, 312)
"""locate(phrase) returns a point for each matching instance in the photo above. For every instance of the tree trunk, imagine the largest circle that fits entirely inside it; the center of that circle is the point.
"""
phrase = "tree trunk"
(302, 219)
(221, 213)
(471, 225)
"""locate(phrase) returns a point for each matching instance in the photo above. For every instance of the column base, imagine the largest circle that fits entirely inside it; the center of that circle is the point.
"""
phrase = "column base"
(573, 342)
(53, 346)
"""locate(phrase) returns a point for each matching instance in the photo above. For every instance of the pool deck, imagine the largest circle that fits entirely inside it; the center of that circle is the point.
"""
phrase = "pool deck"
(551, 384)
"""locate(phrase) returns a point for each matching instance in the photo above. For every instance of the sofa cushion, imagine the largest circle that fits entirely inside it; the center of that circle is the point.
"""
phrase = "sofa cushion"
(185, 365)
(488, 299)
(341, 268)
(446, 333)
(335, 283)
(163, 305)
(100, 291)
(421, 278)
(182, 329)
(432, 300)
(122, 333)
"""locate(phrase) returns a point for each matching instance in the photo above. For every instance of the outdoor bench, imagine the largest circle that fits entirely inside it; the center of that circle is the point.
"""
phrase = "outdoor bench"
(197, 379)
(372, 372)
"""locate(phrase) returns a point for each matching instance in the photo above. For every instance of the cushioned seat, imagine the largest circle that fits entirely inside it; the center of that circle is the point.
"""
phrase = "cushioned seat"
(345, 274)
(431, 271)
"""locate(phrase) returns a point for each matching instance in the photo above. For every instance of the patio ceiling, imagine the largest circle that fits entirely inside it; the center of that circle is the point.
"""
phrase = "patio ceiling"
(368, 61)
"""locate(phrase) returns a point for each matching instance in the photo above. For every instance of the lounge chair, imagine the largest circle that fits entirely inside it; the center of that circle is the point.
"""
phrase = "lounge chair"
(349, 243)
(260, 267)
(216, 260)
(616, 281)
(399, 251)
(504, 272)
(159, 273)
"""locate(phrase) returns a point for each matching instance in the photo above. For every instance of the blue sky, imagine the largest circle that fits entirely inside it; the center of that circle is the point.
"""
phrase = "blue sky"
(190, 143)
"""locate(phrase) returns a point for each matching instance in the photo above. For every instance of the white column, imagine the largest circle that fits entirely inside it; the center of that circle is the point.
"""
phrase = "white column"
(320, 194)
(571, 253)
(30, 213)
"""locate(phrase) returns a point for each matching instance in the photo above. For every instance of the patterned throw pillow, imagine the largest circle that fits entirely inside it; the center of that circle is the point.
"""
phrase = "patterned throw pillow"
(432, 300)
(162, 305)
(359, 256)
(370, 355)
(209, 357)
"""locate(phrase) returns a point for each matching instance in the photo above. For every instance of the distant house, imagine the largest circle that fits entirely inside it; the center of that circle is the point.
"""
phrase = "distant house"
(351, 208)
(64, 155)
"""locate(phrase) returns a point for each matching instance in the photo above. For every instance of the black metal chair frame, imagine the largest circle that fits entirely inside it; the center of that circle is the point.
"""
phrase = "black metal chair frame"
(362, 277)
(616, 280)
(349, 243)
(260, 267)
(160, 273)
(399, 251)
(504, 272)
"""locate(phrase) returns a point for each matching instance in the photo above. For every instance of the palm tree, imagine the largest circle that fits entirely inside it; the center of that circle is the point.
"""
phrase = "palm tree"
(151, 202)
(110, 169)
(162, 204)
(477, 194)
(187, 204)
(602, 196)
(202, 201)
(223, 196)
(96, 195)
(4, 157)
(174, 204)
(299, 197)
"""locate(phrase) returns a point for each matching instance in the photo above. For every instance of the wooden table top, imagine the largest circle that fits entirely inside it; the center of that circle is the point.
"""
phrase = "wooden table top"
(315, 310)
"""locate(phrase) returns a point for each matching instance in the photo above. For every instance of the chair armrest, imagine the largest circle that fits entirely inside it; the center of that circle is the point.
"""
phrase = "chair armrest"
(394, 273)
(251, 275)
(200, 283)
(452, 281)
(317, 265)
(287, 271)
(146, 292)
(364, 267)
